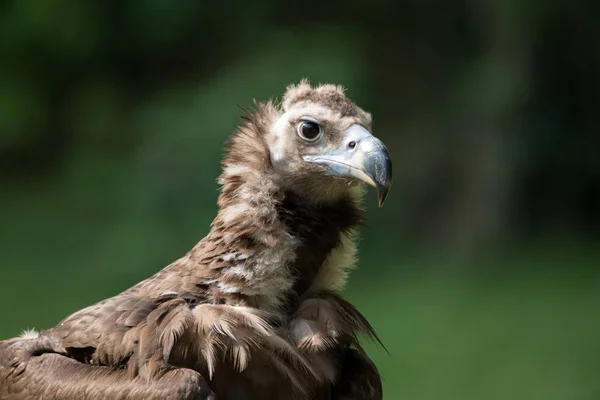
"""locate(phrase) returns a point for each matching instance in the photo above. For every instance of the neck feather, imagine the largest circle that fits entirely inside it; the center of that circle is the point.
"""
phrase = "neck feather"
(267, 243)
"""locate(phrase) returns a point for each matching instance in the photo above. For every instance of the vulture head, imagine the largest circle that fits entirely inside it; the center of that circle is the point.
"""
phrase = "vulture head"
(321, 144)
(317, 143)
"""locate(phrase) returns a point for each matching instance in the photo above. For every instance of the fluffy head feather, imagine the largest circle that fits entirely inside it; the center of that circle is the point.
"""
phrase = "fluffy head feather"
(330, 96)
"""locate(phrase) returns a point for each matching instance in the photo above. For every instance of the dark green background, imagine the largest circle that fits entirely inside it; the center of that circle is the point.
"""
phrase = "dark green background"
(481, 273)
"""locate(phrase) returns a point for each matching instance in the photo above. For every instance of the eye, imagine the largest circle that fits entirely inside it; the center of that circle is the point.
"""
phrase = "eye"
(309, 130)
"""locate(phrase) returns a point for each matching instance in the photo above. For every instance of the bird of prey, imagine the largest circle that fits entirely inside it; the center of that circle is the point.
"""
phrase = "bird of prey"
(252, 311)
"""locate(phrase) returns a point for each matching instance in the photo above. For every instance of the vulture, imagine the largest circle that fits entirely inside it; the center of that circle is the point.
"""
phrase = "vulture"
(254, 310)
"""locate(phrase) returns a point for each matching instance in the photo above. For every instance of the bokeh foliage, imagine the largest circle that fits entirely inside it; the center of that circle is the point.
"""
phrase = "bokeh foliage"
(481, 273)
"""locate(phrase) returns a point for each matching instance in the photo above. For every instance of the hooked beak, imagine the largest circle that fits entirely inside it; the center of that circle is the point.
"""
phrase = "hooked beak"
(361, 156)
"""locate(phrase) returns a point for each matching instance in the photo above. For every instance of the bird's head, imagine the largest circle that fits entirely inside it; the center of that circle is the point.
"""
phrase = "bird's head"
(320, 143)
(316, 143)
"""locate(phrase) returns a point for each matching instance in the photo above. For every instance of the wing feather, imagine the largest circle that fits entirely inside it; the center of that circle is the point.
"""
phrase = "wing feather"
(29, 369)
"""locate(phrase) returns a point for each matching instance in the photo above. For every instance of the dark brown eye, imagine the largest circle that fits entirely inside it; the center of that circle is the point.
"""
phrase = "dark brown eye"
(309, 131)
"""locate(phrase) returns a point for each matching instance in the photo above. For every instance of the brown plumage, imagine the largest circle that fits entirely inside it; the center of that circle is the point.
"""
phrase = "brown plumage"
(252, 311)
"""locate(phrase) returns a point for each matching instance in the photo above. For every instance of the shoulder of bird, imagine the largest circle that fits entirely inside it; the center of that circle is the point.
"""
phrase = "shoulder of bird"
(257, 295)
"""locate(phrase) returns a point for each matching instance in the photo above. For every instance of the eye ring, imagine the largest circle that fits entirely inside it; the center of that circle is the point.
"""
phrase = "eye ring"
(309, 130)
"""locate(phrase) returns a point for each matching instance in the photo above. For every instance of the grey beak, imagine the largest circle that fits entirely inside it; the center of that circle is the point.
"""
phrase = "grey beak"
(361, 156)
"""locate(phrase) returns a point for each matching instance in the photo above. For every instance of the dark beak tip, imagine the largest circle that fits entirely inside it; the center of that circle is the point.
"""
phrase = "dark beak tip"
(382, 194)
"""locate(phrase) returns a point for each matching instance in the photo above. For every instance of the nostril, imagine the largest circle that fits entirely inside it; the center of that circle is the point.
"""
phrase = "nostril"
(352, 144)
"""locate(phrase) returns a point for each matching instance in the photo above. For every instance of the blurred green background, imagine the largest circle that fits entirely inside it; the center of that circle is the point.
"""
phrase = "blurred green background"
(481, 274)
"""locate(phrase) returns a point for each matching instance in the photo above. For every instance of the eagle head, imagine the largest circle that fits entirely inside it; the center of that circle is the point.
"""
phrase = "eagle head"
(321, 145)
